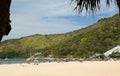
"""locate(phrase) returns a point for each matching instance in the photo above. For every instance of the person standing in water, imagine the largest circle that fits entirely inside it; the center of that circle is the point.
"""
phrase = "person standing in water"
(0, 61)
(7, 60)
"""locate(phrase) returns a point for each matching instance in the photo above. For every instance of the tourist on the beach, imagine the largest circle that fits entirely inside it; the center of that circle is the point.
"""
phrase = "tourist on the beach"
(7, 60)
(21, 63)
(81, 60)
(28, 60)
(36, 61)
(0, 61)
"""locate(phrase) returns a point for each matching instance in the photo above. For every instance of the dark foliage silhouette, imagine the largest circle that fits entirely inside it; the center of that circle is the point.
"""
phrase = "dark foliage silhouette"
(4, 17)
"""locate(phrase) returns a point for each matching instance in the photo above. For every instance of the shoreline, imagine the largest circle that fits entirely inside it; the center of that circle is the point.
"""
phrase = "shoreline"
(86, 68)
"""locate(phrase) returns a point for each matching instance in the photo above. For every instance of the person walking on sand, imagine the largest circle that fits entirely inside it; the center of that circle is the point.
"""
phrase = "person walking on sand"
(36, 61)
(21, 63)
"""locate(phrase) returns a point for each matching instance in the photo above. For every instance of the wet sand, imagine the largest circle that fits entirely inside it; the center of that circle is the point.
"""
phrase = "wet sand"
(86, 68)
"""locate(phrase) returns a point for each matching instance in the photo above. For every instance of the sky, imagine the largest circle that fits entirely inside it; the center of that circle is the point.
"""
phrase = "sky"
(31, 17)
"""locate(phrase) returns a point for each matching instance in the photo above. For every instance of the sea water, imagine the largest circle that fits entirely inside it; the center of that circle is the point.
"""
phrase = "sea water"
(40, 60)
(12, 61)
(21, 60)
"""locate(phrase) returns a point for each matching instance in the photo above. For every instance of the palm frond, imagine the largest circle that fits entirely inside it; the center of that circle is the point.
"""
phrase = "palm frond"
(118, 4)
(91, 5)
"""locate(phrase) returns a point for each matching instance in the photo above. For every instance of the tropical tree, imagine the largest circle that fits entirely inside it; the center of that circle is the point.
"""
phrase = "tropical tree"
(88, 5)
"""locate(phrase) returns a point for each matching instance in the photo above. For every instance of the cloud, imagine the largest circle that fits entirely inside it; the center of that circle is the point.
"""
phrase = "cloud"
(48, 17)
(43, 7)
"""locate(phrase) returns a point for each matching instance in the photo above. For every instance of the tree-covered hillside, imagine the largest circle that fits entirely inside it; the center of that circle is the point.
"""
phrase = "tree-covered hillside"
(97, 38)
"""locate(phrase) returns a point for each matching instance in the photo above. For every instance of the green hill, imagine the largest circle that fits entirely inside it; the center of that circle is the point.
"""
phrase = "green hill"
(97, 38)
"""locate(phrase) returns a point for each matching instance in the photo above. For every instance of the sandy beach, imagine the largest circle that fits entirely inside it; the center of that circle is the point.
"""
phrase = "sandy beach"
(86, 68)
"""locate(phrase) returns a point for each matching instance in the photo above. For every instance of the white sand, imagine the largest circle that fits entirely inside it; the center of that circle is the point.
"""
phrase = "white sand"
(87, 68)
